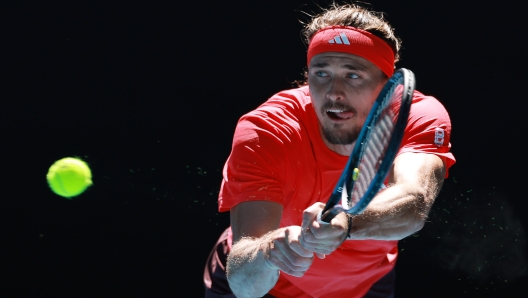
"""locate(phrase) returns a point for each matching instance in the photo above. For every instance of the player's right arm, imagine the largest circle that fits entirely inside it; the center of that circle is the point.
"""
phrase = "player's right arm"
(260, 249)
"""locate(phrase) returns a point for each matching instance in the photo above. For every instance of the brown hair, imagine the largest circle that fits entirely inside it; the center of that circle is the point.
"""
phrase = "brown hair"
(355, 16)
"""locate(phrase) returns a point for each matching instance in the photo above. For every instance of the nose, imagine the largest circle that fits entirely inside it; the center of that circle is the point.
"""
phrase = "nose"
(336, 90)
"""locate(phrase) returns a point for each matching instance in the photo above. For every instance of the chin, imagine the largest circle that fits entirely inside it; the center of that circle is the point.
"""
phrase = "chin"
(340, 137)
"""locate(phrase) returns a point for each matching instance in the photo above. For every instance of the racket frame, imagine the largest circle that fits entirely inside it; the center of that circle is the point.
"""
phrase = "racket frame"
(345, 184)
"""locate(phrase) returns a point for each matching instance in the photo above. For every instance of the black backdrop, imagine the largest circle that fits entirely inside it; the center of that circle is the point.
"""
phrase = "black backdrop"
(149, 95)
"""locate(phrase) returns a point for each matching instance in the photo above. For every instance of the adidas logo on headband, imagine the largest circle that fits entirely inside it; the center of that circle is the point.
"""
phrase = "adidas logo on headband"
(340, 39)
(351, 40)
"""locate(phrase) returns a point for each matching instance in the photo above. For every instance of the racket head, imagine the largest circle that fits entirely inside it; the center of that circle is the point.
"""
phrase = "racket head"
(375, 149)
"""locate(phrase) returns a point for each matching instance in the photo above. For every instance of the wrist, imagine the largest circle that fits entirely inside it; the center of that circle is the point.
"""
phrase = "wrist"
(265, 250)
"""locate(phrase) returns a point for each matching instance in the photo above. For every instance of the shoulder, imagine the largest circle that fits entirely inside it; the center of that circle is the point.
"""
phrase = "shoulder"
(265, 143)
(285, 104)
(427, 116)
(427, 108)
(281, 116)
(428, 129)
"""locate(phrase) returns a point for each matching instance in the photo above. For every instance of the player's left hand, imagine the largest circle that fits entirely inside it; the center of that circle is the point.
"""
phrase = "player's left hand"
(319, 237)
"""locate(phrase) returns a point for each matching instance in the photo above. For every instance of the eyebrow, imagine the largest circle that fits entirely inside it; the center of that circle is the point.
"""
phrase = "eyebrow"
(345, 66)
(321, 64)
(353, 67)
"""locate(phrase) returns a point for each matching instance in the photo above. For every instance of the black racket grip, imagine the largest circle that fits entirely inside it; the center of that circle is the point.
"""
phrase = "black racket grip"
(330, 214)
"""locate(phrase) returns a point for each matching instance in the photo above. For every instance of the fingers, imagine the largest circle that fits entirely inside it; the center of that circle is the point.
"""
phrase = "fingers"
(293, 235)
(320, 256)
(292, 251)
(320, 231)
(310, 214)
(319, 237)
(323, 243)
(288, 255)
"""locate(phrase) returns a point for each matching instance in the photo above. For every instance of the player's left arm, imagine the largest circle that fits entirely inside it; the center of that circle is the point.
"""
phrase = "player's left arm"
(395, 213)
(401, 209)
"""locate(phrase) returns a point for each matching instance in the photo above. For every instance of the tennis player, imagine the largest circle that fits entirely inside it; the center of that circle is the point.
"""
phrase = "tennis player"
(287, 156)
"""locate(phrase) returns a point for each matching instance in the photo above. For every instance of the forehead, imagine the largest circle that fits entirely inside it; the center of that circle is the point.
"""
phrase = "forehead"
(329, 59)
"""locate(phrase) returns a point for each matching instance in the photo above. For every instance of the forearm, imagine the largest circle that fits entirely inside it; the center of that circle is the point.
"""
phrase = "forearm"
(402, 208)
(247, 271)
(394, 214)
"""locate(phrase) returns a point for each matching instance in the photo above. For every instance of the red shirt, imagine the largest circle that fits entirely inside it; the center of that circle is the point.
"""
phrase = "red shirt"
(278, 155)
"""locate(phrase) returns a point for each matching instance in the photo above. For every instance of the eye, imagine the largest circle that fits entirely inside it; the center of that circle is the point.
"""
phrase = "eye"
(352, 76)
(321, 74)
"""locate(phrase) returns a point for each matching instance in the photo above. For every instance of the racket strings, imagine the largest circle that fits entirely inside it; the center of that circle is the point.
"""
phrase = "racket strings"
(377, 142)
(376, 148)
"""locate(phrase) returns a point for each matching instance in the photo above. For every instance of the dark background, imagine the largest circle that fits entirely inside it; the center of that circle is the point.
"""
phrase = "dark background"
(149, 96)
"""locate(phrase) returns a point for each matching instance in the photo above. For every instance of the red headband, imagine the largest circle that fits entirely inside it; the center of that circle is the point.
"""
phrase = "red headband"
(355, 41)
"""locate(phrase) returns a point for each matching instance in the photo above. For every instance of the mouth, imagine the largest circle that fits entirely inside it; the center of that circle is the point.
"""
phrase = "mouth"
(339, 115)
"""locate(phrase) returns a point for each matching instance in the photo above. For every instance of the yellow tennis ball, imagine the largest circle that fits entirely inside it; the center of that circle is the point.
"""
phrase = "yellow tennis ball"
(69, 177)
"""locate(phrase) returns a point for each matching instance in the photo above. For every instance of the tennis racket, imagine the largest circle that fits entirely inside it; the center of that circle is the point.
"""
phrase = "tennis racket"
(375, 149)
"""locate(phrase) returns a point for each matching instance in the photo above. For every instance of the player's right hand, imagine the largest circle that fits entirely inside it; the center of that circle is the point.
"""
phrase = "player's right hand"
(322, 238)
(285, 252)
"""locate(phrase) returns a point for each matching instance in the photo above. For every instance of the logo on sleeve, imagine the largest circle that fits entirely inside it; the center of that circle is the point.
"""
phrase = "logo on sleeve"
(439, 136)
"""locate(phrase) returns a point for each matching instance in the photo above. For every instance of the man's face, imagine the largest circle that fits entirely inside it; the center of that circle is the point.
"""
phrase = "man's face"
(343, 88)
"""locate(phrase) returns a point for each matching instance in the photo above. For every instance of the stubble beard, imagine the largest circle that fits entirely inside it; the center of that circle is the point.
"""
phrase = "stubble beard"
(334, 133)
(337, 136)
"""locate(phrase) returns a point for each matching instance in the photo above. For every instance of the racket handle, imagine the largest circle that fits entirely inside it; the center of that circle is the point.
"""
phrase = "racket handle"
(328, 215)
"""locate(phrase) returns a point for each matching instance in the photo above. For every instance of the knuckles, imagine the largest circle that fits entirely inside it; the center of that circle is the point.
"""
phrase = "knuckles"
(293, 251)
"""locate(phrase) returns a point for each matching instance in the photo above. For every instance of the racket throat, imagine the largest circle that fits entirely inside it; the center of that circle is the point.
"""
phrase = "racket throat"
(345, 200)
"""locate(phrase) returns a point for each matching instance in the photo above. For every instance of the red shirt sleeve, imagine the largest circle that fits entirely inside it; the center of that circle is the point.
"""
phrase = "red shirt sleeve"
(254, 171)
(428, 129)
